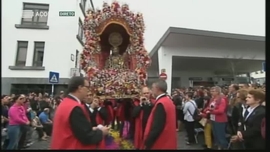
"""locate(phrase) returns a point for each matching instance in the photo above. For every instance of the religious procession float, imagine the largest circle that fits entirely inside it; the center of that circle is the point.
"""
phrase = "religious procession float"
(114, 57)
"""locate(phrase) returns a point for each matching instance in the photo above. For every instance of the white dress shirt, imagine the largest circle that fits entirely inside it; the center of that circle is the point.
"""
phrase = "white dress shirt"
(250, 110)
(91, 109)
(77, 99)
(160, 95)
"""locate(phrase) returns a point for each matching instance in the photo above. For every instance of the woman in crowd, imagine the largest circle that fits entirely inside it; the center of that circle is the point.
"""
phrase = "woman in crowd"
(238, 106)
(177, 100)
(38, 127)
(17, 120)
(188, 110)
(57, 101)
(218, 117)
(26, 132)
(199, 100)
(238, 111)
(232, 107)
(207, 123)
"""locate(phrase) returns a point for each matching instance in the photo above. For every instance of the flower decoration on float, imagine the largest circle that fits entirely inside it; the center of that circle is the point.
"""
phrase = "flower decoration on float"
(108, 82)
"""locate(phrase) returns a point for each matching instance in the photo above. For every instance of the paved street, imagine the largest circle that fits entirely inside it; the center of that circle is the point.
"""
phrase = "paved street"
(39, 145)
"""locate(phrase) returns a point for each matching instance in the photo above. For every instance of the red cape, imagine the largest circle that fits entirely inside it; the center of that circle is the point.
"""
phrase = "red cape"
(167, 138)
(63, 137)
(120, 112)
(138, 136)
(110, 111)
(100, 121)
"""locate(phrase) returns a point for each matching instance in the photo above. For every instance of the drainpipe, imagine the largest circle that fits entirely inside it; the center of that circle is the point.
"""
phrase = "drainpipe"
(92, 5)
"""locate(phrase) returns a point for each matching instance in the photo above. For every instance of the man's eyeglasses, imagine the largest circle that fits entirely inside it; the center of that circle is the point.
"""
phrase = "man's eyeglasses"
(146, 93)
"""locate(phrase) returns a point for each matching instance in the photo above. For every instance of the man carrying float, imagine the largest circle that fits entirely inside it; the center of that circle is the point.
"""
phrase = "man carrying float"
(115, 61)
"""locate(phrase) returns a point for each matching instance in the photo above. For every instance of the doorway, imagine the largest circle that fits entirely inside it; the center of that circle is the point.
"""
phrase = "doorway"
(203, 83)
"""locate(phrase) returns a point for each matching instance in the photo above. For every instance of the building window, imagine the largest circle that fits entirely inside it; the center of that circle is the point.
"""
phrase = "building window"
(38, 54)
(80, 30)
(21, 53)
(76, 59)
(35, 14)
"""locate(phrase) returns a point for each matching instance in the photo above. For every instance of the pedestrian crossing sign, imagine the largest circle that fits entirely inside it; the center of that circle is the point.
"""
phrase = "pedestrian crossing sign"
(53, 77)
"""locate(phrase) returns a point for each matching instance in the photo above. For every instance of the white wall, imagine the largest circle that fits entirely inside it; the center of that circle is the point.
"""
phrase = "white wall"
(217, 48)
(60, 39)
(258, 75)
(229, 16)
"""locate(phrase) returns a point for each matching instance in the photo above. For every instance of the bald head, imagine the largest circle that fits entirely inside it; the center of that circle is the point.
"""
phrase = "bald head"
(146, 92)
(47, 110)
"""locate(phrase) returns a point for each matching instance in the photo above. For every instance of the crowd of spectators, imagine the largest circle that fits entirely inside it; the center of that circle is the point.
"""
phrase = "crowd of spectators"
(22, 115)
(231, 117)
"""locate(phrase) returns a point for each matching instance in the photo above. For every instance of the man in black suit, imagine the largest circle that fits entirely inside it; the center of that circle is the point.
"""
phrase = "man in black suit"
(250, 129)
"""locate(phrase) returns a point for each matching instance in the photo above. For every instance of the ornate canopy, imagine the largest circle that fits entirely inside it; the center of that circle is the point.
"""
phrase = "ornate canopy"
(96, 23)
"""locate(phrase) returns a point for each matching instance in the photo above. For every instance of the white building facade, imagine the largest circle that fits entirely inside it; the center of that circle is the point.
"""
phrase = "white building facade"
(32, 47)
(57, 36)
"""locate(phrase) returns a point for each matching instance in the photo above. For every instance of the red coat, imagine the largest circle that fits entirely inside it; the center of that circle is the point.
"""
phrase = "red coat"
(62, 135)
(220, 109)
(120, 112)
(167, 139)
(138, 136)
(109, 108)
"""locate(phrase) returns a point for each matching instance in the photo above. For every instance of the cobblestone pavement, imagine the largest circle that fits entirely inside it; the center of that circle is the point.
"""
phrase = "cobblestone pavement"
(39, 145)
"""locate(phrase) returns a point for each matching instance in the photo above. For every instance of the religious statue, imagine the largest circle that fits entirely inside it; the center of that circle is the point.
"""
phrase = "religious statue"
(115, 60)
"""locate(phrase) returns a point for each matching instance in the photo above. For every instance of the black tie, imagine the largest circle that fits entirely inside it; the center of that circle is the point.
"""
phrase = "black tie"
(246, 113)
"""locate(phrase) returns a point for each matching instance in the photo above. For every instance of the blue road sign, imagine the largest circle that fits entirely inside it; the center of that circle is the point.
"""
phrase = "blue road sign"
(53, 77)
(263, 66)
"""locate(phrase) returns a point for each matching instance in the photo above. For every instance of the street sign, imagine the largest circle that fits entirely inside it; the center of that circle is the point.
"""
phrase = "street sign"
(74, 72)
(163, 76)
(263, 67)
(53, 77)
